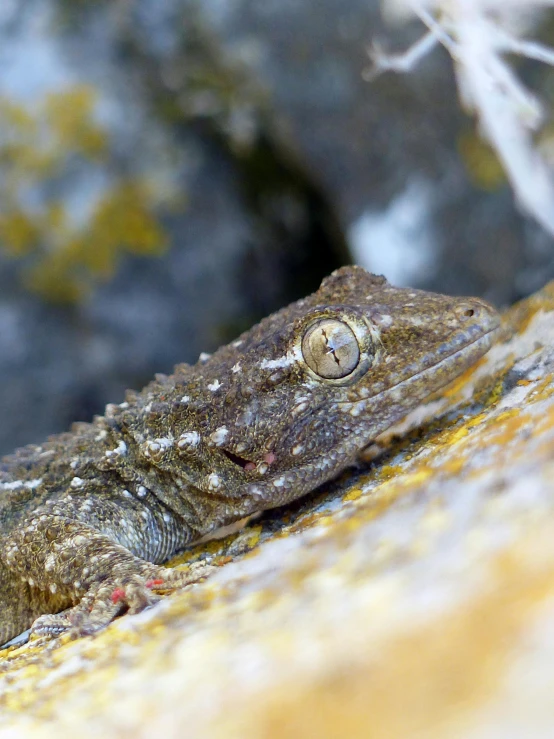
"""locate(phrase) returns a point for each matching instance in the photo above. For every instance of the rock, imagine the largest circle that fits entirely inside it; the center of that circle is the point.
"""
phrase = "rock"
(278, 155)
(411, 598)
(248, 227)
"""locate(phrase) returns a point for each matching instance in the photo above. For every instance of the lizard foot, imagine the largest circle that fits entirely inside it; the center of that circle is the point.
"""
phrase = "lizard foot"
(106, 600)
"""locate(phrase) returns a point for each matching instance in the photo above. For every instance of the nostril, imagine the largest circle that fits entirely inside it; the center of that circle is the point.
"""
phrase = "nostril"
(466, 310)
(476, 313)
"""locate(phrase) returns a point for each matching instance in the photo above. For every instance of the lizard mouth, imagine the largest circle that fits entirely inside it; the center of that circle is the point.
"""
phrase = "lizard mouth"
(246, 464)
(477, 348)
(351, 447)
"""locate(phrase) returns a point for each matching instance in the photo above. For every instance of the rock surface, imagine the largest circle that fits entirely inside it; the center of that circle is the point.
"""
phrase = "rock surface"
(413, 598)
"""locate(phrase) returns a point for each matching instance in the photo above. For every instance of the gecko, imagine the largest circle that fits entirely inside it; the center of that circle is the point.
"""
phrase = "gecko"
(88, 518)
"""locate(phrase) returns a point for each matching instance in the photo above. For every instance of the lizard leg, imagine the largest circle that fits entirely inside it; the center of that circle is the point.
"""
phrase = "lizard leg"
(74, 564)
(129, 590)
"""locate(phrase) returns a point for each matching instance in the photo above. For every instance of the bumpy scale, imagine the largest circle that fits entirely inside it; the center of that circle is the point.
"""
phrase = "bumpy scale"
(87, 518)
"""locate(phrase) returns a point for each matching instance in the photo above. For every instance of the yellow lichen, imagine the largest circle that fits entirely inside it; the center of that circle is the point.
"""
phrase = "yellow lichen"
(350, 622)
(481, 162)
(353, 494)
(65, 257)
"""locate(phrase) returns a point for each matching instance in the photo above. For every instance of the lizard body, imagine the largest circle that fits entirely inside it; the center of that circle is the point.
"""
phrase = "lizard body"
(87, 518)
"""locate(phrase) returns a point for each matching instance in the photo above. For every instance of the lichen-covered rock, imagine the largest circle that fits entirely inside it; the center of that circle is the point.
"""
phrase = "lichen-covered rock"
(415, 598)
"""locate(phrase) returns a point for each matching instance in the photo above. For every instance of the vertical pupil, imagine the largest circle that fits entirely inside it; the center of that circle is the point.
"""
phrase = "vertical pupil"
(331, 349)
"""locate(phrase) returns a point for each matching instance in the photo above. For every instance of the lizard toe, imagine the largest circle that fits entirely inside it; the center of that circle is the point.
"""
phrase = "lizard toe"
(51, 624)
(165, 579)
(130, 593)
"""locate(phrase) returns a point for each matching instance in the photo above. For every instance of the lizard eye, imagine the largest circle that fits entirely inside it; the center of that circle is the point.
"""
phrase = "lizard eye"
(331, 349)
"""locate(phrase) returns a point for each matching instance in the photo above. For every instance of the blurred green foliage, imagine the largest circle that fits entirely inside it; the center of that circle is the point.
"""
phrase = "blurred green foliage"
(481, 163)
(41, 151)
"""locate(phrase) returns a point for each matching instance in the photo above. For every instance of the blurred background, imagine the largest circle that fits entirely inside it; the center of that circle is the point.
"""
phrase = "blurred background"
(171, 171)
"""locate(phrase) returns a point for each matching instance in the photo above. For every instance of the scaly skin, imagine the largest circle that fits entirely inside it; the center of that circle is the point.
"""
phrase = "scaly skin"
(87, 517)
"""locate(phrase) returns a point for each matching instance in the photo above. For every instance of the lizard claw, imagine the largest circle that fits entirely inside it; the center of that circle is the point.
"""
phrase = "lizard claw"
(112, 597)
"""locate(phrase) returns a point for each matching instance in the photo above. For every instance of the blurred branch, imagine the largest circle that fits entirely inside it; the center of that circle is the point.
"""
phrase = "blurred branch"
(477, 33)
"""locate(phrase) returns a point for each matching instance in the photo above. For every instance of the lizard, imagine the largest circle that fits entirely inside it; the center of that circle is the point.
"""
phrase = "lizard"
(88, 518)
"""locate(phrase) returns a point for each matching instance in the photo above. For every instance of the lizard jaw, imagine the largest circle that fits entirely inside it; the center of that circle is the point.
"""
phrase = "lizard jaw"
(403, 398)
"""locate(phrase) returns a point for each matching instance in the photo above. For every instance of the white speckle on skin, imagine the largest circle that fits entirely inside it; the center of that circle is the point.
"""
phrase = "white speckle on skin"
(285, 361)
(188, 440)
(204, 356)
(141, 491)
(29, 484)
(357, 408)
(74, 464)
(167, 517)
(245, 418)
(49, 562)
(124, 405)
(151, 447)
(297, 449)
(238, 343)
(214, 481)
(241, 447)
(119, 451)
(279, 482)
(127, 494)
(262, 468)
(101, 435)
(213, 386)
(154, 447)
(77, 482)
(385, 320)
(236, 368)
(11, 485)
(185, 399)
(219, 435)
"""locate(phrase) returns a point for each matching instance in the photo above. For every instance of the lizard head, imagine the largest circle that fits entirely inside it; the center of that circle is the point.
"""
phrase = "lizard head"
(294, 400)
